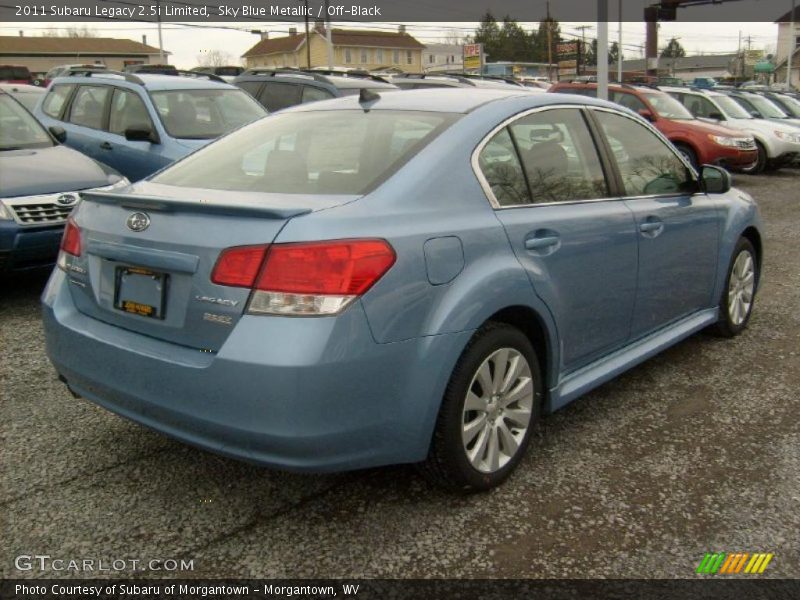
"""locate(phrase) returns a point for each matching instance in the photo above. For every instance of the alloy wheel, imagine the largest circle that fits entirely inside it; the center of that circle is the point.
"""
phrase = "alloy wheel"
(497, 410)
(741, 287)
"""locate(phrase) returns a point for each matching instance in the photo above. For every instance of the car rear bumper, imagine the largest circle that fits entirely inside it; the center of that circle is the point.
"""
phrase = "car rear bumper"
(28, 248)
(293, 393)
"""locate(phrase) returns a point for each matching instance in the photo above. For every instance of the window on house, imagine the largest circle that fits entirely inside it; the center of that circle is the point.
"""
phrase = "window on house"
(348, 56)
(409, 57)
(396, 57)
(364, 60)
(379, 57)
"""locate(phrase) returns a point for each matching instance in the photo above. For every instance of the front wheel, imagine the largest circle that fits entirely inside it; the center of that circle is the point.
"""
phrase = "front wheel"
(738, 297)
(489, 408)
(689, 155)
(760, 164)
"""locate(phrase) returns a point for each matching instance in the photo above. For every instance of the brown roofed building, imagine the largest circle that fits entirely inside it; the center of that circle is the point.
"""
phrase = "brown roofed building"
(40, 54)
(370, 50)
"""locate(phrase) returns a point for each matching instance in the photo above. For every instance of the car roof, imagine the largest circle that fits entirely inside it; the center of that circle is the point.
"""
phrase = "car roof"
(342, 82)
(446, 99)
(22, 88)
(150, 81)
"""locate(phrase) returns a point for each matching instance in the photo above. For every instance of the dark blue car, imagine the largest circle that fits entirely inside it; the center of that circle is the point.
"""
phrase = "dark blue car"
(39, 185)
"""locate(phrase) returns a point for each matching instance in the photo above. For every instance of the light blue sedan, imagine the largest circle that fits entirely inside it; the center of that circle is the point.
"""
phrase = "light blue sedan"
(415, 277)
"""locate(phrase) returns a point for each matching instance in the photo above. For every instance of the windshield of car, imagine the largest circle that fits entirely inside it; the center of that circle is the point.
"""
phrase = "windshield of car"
(318, 152)
(26, 98)
(731, 108)
(767, 108)
(18, 128)
(667, 107)
(791, 104)
(205, 114)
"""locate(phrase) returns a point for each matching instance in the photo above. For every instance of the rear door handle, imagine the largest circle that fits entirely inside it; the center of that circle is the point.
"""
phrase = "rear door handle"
(106, 146)
(651, 227)
(537, 243)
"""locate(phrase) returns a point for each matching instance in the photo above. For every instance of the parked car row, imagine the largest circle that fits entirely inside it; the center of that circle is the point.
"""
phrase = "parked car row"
(740, 130)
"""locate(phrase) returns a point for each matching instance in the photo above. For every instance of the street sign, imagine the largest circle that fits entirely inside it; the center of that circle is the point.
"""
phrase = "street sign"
(567, 49)
(473, 57)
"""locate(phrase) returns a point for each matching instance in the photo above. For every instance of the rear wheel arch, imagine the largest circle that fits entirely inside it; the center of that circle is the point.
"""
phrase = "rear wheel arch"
(529, 322)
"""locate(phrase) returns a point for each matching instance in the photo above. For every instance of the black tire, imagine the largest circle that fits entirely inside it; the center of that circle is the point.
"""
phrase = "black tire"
(689, 154)
(761, 162)
(447, 464)
(727, 326)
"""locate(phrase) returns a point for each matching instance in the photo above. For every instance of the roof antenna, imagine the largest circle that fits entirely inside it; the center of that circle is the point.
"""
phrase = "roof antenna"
(366, 95)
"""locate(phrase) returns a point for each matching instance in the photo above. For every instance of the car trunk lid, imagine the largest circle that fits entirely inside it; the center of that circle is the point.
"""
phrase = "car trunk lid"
(147, 256)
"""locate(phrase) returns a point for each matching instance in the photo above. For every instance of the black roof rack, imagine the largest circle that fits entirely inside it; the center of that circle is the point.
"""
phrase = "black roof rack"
(84, 72)
(315, 74)
(199, 75)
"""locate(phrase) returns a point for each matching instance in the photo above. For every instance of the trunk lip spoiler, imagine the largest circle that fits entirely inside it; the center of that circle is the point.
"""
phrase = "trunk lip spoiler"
(167, 204)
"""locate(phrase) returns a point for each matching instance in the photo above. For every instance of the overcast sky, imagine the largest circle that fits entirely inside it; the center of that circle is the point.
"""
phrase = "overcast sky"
(187, 43)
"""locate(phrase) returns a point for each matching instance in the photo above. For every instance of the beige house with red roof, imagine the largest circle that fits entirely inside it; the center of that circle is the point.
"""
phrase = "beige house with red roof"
(40, 54)
(370, 50)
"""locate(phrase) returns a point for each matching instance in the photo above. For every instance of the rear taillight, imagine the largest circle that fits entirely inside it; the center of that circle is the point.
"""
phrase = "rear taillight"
(71, 240)
(238, 267)
(314, 278)
(70, 243)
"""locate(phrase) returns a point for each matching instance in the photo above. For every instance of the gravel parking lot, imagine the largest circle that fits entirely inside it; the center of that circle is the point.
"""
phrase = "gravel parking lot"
(696, 450)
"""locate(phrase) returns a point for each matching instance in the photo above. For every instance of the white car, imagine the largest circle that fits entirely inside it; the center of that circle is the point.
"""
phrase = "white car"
(778, 143)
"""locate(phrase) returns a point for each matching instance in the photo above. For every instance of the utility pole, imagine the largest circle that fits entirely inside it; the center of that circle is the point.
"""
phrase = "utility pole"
(602, 49)
(582, 49)
(160, 41)
(792, 48)
(328, 35)
(549, 44)
(619, 45)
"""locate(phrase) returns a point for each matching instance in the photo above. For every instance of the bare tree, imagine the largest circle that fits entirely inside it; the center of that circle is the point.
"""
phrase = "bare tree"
(454, 37)
(71, 32)
(214, 58)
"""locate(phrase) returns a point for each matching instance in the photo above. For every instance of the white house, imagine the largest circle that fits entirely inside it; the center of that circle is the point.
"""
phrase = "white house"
(443, 57)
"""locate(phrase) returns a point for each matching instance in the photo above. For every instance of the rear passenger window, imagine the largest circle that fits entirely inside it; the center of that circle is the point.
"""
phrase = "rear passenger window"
(56, 98)
(127, 110)
(276, 96)
(500, 165)
(251, 87)
(312, 94)
(647, 165)
(88, 106)
(559, 157)
(628, 101)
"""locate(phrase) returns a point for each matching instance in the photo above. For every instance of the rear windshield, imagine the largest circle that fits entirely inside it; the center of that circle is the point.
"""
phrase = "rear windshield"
(205, 114)
(319, 152)
(667, 107)
(18, 128)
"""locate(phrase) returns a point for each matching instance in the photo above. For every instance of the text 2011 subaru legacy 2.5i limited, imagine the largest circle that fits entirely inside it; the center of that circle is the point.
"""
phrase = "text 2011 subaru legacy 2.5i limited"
(412, 277)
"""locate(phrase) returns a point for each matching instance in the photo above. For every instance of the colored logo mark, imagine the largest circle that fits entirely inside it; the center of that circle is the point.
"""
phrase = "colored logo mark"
(731, 563)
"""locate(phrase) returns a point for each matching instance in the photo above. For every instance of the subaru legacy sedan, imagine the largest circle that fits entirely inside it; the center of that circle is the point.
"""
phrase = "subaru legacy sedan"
(410, 277)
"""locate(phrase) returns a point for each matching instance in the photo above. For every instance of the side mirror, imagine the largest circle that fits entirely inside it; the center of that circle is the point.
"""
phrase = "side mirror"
(715, 180)
(141, 133)
(643, 112)
(717, 116)
(59, 133)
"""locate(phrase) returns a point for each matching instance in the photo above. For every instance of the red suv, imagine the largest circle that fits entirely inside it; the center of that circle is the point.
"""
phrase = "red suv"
(701, 143)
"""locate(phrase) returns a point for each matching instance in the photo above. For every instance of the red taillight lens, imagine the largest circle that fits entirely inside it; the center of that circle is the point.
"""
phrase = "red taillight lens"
(342, 267)
(71, 240)
(238, 267)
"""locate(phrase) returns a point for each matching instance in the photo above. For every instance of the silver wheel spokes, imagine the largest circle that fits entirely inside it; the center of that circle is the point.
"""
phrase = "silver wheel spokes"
(497, 410)
(741, 288)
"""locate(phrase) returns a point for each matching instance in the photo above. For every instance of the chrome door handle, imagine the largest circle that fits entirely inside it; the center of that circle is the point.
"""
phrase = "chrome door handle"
(651, 226)
(106, 146)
